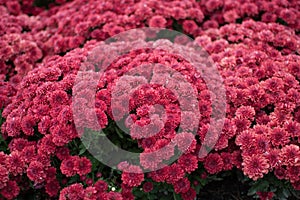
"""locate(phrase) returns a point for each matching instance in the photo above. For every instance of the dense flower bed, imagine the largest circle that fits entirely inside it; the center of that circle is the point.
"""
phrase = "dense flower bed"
(254, 45)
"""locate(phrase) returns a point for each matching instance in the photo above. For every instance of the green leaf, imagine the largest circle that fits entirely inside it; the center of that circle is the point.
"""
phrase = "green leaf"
(286, 192)
(119, 133)
(82, 151)
(258, 186)
(73, 179)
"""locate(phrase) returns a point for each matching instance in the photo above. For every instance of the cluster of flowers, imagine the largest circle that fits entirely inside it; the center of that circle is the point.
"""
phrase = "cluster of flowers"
(30, 7)
(19, 53)
(70, 25)
(261, 76)
(36, 105)
(229, 11)
(258, 61)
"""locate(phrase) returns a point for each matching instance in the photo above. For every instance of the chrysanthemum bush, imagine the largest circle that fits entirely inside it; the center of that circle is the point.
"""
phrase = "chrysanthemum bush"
(254, 45)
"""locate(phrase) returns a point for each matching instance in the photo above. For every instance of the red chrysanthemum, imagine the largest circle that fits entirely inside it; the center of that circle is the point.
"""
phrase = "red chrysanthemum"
(27, 124)
(157, 21)
(18, 144)
(52, 188)
(280, 172)
(112, 196)
(35, 172)
(296, 185)
(213, 163)
(185, 142)
(3, 176)
(265, 195)
(227, 160)
(188, 162)
(246, 112)
(75, 191)
(273, 157)
(182, 185)
(293, 173)
(255, 166)
(62, 153)
(189, 195)
(279, 137)
(133, 179)
(160, 175)
(189, 26)
(101, 186)
(150, 160)
(58, 97)
(147, 187)
(174, 173)
(15, 163)
(67, 166)
(82, 166)
(245, 139)
(261, 143)
(29, 153)
(51, 173)
(11, 190)
(290, 154)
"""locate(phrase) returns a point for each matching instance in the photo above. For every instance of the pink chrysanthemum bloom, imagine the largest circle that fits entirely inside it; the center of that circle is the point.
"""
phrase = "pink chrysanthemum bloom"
(213, 163)
(133, 179)
(157, 21)
(11, 190)
(255, 166)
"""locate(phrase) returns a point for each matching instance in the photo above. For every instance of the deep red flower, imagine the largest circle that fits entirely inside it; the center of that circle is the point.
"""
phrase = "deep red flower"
(3, 176)
(29, 153)
(227, 160)
(188, 162)
(231, 16)
(279, 137)
(52, 188)
(213, 163)
(290, 154)
(189, 26)
(255, 166)
(67, 166)
(185, 142)
(150, 160)
(273, 157)
(189, 195)
(133, 179)
(75, 191)
(147, 187)
(36, 172)
(246, 112)
(261, 143)
(62, 153)
(101, 186)
(113, 196)
(265, 195)
(293, 172)
(82, 166)
(15, 163)
(245, 139)
(157, 21)
(90, 193)
(174, 173)
(182, 185)
(296, 185)
(280, 172)
(11, 190)
(18, 144)
(27, 124)
(160, 175)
